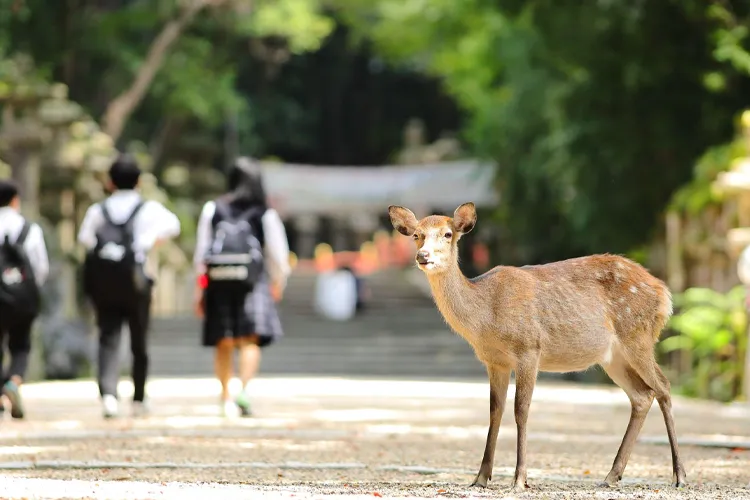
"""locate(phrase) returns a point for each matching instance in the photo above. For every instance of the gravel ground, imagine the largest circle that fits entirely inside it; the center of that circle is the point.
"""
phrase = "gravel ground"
(339, 438)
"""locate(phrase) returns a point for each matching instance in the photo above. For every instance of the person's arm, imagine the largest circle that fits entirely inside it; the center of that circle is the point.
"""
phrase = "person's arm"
(91, 222)
(276, 249)
(202, 241)
(203, 236)
(162, 223)
(36, 249)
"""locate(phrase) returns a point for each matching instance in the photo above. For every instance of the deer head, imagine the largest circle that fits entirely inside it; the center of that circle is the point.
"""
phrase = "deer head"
(436, 236)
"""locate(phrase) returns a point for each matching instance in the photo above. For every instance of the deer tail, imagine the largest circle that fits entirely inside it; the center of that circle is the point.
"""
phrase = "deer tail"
(665, 310)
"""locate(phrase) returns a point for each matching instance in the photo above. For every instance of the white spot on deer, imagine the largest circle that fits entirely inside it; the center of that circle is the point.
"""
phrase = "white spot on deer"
(620, 266)
(627, 309)
(598, 275)
(621, 300)
(633, 289)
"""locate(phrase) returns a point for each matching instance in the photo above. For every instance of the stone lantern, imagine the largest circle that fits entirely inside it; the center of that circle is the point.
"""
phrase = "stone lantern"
(735, 185)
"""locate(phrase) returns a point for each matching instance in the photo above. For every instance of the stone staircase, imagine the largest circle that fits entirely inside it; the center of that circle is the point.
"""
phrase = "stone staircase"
(400, 334)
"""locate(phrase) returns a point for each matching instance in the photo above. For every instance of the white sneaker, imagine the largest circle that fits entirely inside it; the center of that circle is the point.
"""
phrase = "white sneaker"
(110, 406)
(141, 409)
(229, 409)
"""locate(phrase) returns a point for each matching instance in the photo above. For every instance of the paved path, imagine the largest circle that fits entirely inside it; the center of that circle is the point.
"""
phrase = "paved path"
(357, 438)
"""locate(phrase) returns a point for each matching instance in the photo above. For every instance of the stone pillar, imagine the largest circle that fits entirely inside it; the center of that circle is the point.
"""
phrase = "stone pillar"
(67, 234)
(307, 229)
(363, 225)
(340, 234)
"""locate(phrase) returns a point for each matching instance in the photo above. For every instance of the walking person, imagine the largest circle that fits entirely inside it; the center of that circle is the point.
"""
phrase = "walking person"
(118, 233)
(24, 267)
(242, 260)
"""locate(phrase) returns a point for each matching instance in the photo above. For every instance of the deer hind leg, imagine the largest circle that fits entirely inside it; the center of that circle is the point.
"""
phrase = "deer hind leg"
(499, 379)
(641, 398)
(650, 372)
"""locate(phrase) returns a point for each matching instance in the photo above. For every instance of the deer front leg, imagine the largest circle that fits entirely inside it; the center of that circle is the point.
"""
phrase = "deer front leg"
(499, 379)
(526, 373)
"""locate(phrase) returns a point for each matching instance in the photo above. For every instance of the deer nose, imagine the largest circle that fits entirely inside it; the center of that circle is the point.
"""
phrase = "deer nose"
(423, 256)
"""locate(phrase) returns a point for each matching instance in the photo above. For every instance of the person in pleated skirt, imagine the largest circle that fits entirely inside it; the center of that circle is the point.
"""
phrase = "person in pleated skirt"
(243, 322)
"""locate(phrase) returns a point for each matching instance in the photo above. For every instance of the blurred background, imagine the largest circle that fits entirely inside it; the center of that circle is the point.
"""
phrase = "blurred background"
(611, 126)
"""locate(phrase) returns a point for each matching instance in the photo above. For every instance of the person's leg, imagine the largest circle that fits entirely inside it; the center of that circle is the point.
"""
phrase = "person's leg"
(109, 323)
(249, 354)
(19, 346)
(223, 369)
(138, 322)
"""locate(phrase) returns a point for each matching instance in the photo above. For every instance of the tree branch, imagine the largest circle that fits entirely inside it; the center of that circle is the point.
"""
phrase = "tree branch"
(121, 107)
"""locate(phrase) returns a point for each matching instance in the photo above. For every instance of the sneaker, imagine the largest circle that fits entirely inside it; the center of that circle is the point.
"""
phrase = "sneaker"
(141, 409)
(243, 403)
(110, 406)
(228, 409)
(10, 389)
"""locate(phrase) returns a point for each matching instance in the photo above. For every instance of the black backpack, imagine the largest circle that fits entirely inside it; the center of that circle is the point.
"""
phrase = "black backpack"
(234, 262)
(111, 275)
(18, 289)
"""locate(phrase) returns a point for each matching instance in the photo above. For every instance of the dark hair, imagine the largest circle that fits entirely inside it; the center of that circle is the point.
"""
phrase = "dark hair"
(8, 191)
(245, 185)
(124, 172)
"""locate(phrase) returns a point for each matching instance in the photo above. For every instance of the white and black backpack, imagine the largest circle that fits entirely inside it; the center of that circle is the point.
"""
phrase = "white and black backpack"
(112, 276)
(234, 262)
(18, 289)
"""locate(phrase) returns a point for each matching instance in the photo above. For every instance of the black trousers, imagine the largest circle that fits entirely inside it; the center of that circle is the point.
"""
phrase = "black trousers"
(15, 332)
(110, 321)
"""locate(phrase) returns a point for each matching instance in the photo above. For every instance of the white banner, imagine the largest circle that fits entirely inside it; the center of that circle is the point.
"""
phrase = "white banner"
(306, 189)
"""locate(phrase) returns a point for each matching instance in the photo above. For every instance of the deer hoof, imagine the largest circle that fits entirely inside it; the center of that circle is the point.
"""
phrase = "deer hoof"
(519, 487)
(678, 480)
(480, 481)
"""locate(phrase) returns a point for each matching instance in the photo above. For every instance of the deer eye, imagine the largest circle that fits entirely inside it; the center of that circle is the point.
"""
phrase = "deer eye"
(416, 236)
(449, 235)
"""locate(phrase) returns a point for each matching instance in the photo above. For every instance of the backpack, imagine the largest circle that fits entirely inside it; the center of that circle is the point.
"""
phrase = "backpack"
(18, 289)
(111, 275)
(234, 262)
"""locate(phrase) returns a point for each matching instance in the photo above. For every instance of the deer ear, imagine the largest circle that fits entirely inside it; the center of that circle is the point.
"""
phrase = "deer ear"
(403, 220)
(465, 218)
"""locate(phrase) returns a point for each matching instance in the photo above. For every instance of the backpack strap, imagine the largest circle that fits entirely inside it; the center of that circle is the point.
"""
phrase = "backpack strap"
(250, 212)
(24, 233)
(128, 221)
(134, 213)
(221, 212)
(105, 213)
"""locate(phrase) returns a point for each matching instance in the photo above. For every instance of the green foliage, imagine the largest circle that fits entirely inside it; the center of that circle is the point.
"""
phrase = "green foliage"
(712, 333)
(698, 194)
(298, 21)
(576, 104)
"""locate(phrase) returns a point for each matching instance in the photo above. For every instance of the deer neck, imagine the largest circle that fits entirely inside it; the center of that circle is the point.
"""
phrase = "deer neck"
(456, 299)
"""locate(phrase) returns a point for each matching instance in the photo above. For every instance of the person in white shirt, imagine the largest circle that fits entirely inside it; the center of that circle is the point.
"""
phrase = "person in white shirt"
(118, 233)
(240, 319)
(22, 252)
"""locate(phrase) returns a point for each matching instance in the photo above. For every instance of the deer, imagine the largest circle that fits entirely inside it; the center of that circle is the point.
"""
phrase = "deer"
(560, 317)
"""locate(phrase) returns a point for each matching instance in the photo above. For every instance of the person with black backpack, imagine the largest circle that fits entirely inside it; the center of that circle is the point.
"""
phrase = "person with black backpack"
(24, 267)
(242, 263)
(118, 234)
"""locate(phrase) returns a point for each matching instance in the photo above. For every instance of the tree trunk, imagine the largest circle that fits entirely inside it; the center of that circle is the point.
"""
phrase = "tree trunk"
(121, 107)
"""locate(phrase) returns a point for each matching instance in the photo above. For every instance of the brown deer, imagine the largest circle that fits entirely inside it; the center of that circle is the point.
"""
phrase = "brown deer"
(560, 317)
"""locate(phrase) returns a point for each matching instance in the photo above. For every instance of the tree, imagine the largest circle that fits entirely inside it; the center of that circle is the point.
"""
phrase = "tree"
(109, 39)
(593, 114)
